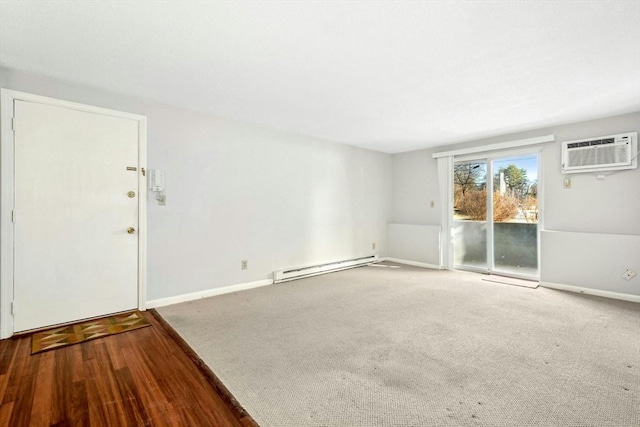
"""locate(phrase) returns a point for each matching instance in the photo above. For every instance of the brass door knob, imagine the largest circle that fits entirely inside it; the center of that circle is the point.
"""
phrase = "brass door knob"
(131, 194)
(131, 230)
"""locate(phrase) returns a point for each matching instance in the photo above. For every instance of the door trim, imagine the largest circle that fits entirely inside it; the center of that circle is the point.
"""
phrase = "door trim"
(7, 193)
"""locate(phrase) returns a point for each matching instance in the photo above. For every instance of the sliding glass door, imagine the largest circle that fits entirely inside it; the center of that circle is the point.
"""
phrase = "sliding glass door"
(470, 216)
(495, 215)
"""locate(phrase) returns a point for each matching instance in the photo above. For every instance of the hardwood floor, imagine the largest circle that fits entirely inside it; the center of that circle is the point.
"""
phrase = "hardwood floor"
(143, 377)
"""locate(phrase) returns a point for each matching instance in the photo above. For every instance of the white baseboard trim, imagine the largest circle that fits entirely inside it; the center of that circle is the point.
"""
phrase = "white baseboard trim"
(413, 263)
(589, 291)
(161, 302)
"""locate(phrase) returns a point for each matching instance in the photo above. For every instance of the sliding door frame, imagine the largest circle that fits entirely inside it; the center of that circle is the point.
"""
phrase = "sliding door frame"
(445, 160)
(489, 158)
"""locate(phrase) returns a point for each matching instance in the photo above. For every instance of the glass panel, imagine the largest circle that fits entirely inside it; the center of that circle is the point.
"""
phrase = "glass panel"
(515, 215)
(470, 215)
(470, 244)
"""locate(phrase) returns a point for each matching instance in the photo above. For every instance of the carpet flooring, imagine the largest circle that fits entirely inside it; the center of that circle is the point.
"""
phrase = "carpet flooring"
(394, 345)
(511, 281)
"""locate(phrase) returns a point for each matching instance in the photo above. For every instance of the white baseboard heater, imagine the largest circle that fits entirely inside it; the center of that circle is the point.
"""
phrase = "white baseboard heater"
(313, 270)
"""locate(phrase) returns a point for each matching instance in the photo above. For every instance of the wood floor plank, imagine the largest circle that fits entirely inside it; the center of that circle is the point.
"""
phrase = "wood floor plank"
(5, 413)
(87, 351)
(79, 413)
(7, 353)
(22, 386)
(76, 362)
(41, 413)
(138, 378)
(114, 350)
(60, 406)
(132, 403)
(17, 370)
(104, 386)
(145, 378)
(22, 404)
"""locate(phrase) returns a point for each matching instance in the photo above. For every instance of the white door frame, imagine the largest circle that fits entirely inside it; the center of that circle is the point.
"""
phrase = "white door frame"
(7, 192)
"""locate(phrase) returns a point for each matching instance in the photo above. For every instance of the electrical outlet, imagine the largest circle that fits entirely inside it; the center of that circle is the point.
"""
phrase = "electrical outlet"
(629, 274)
(244, 264)
(373, 245)
(566, 182)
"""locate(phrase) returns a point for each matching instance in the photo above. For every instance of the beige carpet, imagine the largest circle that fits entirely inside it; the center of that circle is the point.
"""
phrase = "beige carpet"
(403, 346)
(511, 281)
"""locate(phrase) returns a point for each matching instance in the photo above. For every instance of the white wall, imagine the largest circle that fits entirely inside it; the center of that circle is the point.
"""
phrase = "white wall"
(598, 207)
(603, 257)
(237, 191)
(415, 185)
(417, 243)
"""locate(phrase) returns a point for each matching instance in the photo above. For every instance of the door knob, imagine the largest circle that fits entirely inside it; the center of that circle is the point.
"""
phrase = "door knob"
(131, 230)
(131, 194)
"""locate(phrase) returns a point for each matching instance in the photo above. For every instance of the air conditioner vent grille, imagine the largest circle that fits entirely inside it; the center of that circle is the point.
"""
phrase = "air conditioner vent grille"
(590, 143)
(601, 156)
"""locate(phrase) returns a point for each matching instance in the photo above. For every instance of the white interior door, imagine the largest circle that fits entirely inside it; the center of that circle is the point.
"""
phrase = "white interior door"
(73, 255)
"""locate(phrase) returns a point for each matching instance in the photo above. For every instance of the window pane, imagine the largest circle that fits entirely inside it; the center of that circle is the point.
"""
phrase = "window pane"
(515, 215)
(470, 215)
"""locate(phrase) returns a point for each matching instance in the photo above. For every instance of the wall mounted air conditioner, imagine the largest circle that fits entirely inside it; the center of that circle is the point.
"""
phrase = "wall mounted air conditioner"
(604, 153)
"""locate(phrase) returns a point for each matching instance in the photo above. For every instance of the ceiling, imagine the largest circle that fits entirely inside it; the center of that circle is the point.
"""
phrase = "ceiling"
(389, 76)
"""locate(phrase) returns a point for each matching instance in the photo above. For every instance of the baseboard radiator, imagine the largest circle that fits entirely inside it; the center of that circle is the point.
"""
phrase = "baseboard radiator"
(280, 276)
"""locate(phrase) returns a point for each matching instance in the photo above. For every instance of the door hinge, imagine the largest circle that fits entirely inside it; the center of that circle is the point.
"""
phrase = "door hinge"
(13, 124)
(13, 216)
(13, 307)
